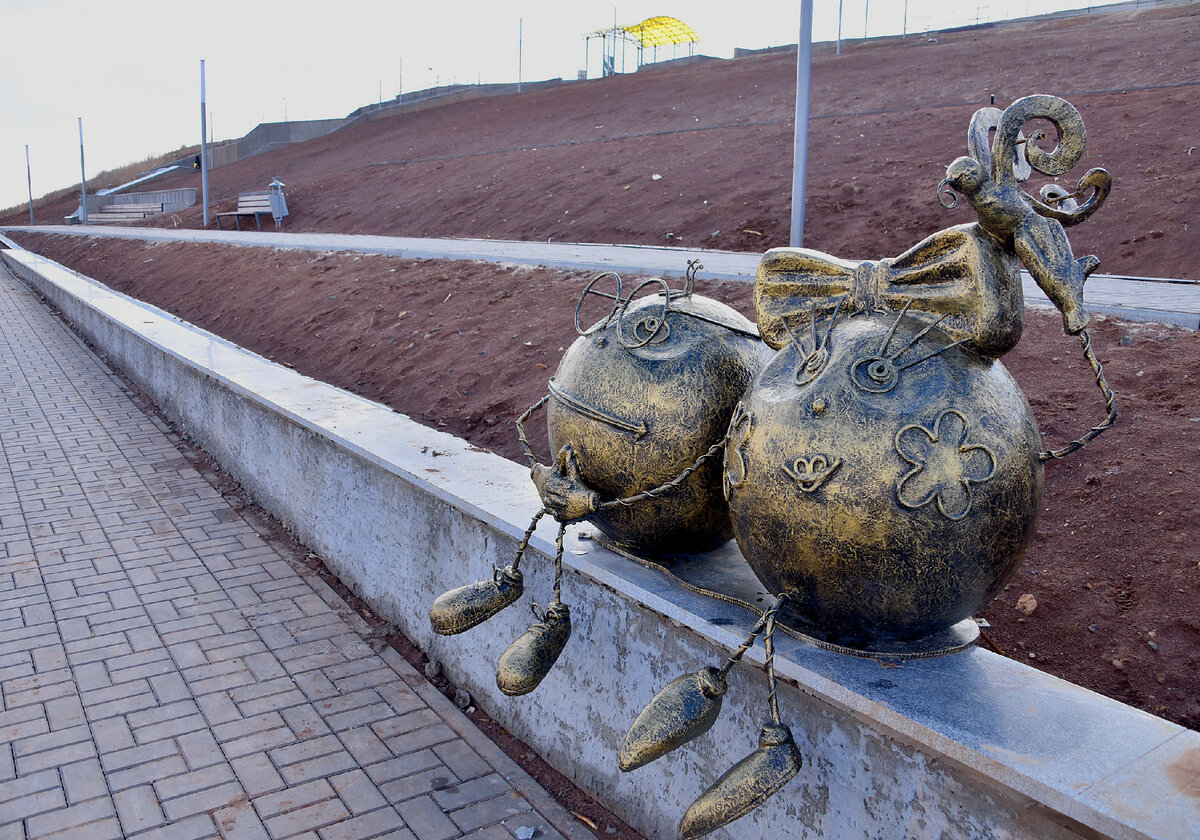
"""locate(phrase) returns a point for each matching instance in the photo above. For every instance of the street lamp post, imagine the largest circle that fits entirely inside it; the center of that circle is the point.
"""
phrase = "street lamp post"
(82, 178)
(800, 156)
(203, 144)
(29, 179)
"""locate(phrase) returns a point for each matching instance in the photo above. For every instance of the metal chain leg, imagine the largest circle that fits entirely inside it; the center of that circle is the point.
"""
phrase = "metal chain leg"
(521, 429)
(558, 563)
(1110, 402)
(516, 564)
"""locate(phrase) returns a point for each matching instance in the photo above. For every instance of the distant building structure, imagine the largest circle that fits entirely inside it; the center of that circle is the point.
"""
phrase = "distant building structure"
(655, 32)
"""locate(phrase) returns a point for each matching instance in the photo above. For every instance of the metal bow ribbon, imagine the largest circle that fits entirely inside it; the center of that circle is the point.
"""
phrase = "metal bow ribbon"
(960, 273)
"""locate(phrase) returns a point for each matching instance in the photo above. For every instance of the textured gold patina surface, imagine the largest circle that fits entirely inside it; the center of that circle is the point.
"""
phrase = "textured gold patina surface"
(906, 503)
(960, 273)
(528, 660)
(461, 609)
(638, 401)
(685, 709)
(746, 785)
(1027, 226)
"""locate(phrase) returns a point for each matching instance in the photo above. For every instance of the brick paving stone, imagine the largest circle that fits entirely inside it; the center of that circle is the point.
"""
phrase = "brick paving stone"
(165, 672)
(202, 801)
(239, 822)
(243, 726)
(417, 719)
(462, 761)
(199, 827)
(310, 817)
(468, 793)
(257, 774)
(138, 809)
(490, 811)
(8, 767)
(73, 816)
(112, 734)
(316, 768)
(305, 721)
(185, 783)
(429, 736)
(364, 745)
(377, 825)
(426, 820)
(437, 777)
(200, 749)
(83, 780)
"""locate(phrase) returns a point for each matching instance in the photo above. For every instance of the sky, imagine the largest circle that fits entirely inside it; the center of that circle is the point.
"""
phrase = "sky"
(131, 68)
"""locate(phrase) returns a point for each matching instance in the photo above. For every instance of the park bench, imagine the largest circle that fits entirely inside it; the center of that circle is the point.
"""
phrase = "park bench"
(256, 204)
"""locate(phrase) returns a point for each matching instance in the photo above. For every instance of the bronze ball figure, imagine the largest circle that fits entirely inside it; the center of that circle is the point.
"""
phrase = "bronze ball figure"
(639, 398)
(888, 481)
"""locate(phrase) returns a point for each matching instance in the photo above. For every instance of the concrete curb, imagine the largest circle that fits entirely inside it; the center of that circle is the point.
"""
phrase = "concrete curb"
(966, 745)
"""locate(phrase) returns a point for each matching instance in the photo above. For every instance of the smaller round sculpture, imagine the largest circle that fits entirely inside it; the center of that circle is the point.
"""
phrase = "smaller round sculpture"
(887, 479)
(638, 399)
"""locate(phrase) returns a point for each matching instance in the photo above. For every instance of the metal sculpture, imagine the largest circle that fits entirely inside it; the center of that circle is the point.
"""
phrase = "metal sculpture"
(637, 413)
(884, 471)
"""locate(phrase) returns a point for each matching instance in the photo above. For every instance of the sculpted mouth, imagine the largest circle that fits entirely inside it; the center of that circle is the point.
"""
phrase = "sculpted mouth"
(638, 430)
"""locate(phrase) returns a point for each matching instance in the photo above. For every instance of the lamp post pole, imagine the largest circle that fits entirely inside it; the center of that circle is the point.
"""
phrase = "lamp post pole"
(203, 144)
(29, 179)
(839, 37)
(800, 157)
(82, 178)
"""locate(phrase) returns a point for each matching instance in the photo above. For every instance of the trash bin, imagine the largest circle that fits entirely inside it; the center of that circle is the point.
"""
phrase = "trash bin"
(278, 202)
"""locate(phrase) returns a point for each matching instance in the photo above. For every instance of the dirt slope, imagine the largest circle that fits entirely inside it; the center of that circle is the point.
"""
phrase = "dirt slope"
(578, 162)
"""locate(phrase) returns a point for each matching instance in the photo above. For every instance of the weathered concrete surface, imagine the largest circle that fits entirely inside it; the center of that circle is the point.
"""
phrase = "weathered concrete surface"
(971, 745)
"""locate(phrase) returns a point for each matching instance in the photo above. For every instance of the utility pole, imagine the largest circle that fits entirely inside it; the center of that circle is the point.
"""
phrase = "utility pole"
(82, 177)
(29, 178)
(839, 38)
(203, 144)
(800, 156)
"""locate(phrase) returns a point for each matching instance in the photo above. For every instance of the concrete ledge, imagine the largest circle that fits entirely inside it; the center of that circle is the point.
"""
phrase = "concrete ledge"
(970, 745)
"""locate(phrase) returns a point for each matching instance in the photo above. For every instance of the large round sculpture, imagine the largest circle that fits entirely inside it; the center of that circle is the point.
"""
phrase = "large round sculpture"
(640, 397)
(887, 479)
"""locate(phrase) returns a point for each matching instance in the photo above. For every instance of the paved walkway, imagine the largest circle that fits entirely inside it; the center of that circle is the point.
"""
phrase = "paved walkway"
(165, 672)
(1139, 299)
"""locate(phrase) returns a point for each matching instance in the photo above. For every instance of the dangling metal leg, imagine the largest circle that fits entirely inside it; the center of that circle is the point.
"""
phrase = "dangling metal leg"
(684, 710)
(461, 609)
(755, 778)
(529, 659)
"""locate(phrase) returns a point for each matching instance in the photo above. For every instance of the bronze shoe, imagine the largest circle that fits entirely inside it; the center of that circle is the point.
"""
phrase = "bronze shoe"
(461, 609)
(684, 710)
(527, 661)
(746, 785)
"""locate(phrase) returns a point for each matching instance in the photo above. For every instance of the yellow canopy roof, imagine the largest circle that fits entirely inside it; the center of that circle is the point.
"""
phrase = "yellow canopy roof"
(658, 32)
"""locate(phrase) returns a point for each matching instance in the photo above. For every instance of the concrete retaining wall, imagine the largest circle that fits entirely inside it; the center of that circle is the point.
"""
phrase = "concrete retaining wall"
(966, 746)
(172, 200)
(267, 136)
